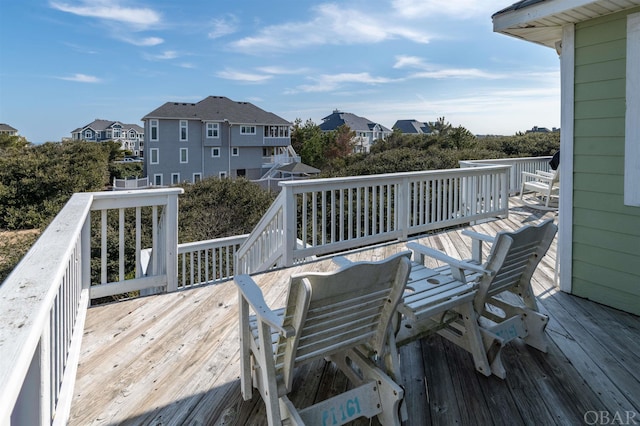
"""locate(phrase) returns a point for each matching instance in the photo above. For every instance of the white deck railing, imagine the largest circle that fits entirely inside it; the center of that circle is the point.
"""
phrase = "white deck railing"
(518, 165)
(44, 300)
(126, 184)
(207, 262)
(319, 216)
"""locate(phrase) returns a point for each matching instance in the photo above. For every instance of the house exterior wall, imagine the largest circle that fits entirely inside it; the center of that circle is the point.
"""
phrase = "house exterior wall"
(202, 159)
(606, 232)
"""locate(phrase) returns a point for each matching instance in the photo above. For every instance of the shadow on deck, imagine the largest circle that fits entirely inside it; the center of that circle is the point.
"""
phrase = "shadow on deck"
(173, 359)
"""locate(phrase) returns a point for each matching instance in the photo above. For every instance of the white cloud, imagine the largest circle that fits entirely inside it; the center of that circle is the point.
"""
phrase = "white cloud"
(242, 76)
(331, 24)
(146, 41)
(427, 70)
(82, 78)
(111, 11)
(330, 82)
(121, 21)
(460, 9)
(167, 54)
(282, 70)
(223, 27)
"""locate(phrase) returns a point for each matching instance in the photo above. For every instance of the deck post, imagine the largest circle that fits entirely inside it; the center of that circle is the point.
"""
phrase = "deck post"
(402, 203)
(171, 247)
(85, 253)
(289, 228)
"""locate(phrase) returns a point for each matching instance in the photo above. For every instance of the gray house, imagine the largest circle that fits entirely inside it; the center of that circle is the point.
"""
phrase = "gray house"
(366, 130)
(412, 127)
(214, 137)
(5, 129)
(130, 136)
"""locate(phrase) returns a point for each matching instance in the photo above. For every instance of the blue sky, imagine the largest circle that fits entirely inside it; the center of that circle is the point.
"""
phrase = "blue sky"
(64, 63)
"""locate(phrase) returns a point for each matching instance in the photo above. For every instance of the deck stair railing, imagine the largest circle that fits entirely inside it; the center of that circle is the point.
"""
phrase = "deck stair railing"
(320, 216)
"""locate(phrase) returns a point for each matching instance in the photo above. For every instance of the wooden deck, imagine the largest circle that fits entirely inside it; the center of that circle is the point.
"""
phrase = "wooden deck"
(173, 359)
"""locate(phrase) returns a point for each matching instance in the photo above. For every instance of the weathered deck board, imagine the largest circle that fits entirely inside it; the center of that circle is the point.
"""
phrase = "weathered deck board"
(173, 358)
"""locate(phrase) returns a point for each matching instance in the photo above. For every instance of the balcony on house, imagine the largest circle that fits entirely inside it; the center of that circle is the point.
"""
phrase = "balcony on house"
(168, 350)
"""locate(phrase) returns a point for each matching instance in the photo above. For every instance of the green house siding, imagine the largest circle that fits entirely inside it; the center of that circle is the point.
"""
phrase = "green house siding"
(606, 233)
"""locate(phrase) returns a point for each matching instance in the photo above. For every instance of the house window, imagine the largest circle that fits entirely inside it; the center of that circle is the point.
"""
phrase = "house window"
(215, 152)
(183, 130)
(175, 178)
(222, 175)
(235, 151)
(212, 130)
(276, 131)
(154, 130)
(184, 155)
(157, 179)
(116, 133)
(197, 177)
(632, 130)
(132, 135)
(247, 130)
(87, 134)
(154, 154)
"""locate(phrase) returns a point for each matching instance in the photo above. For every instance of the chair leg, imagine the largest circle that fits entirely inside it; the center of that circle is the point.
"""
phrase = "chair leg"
(245, 351)
(266, 369)
(466, 333)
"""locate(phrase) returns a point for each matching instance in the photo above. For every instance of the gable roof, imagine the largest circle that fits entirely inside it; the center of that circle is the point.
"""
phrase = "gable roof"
(354, 122)
(7, 128)
(412, 126)
(541, 21)
(99, 125)
(217, 108)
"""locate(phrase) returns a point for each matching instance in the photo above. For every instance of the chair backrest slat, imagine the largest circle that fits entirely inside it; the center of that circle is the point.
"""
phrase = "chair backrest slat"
(349, 307)
(513, 259)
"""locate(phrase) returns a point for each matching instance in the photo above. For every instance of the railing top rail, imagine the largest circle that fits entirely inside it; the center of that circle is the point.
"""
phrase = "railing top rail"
(132, 198)
(505, 160)
(135, 194)
(28, 293)
(217, 242)
(388, 177)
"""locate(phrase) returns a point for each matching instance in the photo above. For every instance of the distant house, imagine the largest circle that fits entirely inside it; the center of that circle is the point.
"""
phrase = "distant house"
(599, 210)
(537, 129)
(412, 127)
(367, 132)
(5, 129)
(130, 136)
(213, 137)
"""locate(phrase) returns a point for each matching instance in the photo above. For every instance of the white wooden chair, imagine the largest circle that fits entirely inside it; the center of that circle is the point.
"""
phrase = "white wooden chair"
(509, 266)
(344, 316)
(547, 184)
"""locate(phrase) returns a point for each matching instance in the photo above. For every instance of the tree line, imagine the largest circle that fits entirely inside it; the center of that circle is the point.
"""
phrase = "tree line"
(37, 180)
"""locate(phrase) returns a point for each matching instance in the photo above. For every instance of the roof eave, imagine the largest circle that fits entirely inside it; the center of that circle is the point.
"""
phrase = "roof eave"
(541, 22)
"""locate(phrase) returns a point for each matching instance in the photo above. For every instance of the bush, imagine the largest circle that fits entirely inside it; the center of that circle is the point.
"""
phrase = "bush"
(215, 208)
(36, 181)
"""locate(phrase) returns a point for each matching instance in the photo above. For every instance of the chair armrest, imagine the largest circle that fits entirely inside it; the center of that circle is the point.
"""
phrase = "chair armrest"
(543, 173)
(438, 255)
(252, 294)
(537, 176)
(478, 236)
(476, 243)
